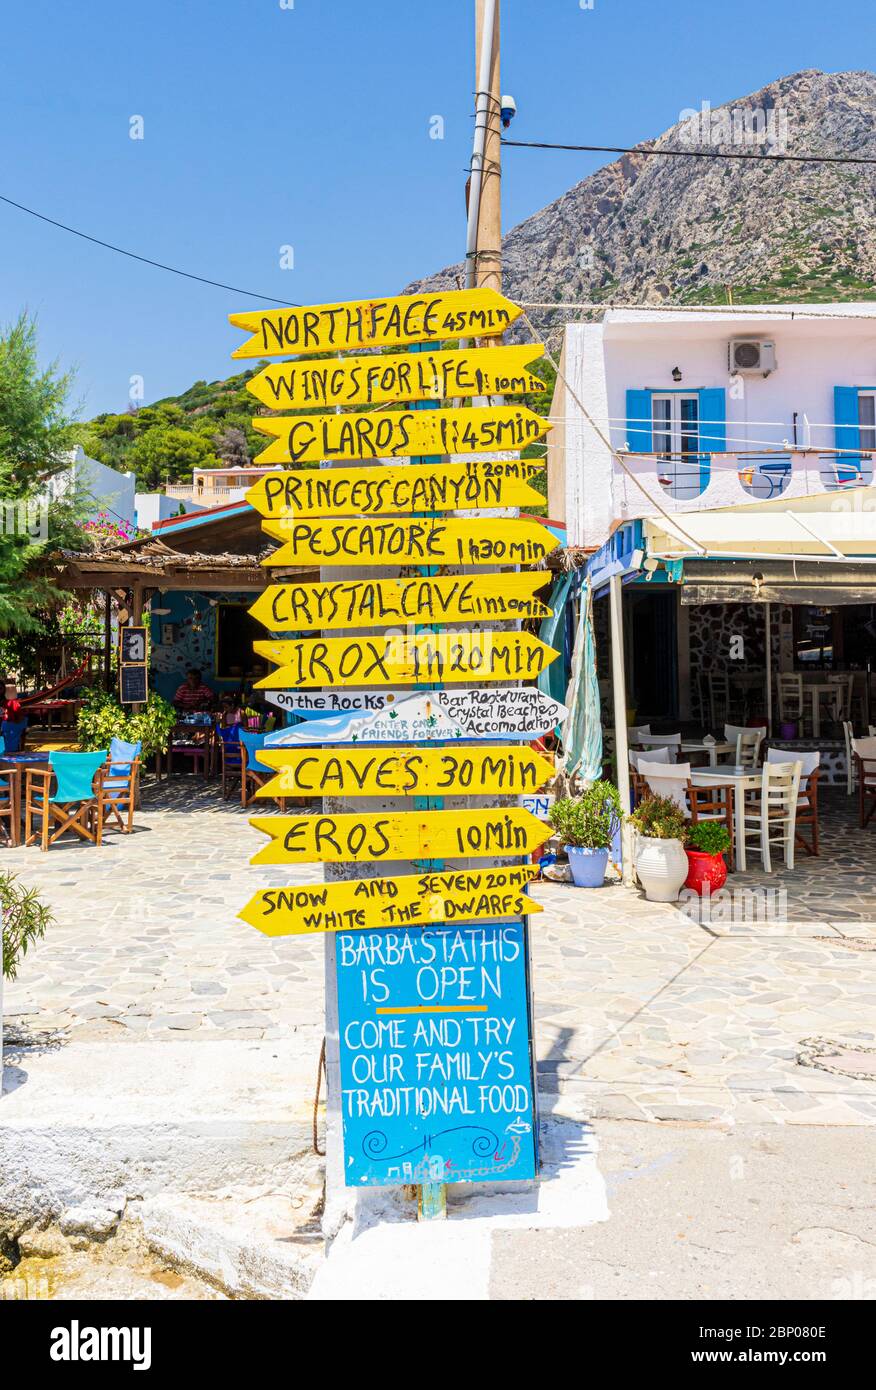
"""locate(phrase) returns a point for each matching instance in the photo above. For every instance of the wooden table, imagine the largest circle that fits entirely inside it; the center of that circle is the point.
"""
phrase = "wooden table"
(815, 691)
(741, 780)
(190, 740)
(713, 749)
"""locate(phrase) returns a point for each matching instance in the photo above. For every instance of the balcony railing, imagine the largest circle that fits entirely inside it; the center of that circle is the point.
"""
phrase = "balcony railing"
(185, 492)
(693, 482)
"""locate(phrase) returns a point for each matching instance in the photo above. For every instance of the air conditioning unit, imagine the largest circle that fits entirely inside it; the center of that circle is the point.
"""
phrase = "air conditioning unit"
(751, 355)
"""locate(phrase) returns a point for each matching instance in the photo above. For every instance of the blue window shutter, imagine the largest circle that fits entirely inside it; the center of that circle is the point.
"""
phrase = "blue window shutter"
(847, 433)
(713, 428)
(713, 410)
(639, 421)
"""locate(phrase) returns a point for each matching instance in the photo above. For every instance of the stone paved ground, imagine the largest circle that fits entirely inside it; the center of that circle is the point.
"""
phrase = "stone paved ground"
(640, 1011)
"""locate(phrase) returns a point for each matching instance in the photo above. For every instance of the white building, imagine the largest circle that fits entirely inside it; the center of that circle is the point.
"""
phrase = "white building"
(107, 490)
(157, 506)
(668, 422)
(707, 408)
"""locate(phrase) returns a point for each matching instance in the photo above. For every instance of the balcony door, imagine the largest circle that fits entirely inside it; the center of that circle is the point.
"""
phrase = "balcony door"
(675, 430)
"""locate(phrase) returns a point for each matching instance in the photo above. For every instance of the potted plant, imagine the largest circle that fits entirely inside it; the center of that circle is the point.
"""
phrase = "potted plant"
(661, 863)
(707, 843)
(586, 824)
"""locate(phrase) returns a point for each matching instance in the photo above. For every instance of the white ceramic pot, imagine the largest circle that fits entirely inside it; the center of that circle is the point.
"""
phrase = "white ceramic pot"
(661, 866)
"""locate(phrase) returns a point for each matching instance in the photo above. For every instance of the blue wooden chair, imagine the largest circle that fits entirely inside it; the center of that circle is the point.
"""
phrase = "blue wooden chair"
(13, 735)
(117, 788)
(10, 801)
(253, 774)
(232, 762)
(73, 805)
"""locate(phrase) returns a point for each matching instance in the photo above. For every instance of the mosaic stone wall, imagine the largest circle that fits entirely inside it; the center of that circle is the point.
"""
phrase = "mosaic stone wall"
(713, 628)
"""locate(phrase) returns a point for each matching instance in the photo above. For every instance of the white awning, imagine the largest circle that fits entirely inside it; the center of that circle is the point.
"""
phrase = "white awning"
(839, 527)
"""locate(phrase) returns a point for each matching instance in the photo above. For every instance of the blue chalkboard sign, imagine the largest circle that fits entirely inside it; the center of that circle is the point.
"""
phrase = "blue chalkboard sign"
(435, 1051)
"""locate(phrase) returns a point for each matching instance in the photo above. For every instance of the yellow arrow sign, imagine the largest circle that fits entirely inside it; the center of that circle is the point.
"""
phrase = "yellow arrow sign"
(367, 323)
(464, 895)
(389, 434)
(389, 602)
(398, 377)
(380, 837)
(392, 490)
(509, 771)
(432, 541)
(426, 659)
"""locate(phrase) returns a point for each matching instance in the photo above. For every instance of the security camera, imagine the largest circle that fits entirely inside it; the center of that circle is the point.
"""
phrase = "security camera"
(508, 108)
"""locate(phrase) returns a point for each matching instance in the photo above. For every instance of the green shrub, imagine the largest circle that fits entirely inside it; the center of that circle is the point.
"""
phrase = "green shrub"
(660, 818)
(25, 919)
(102, 718)
(588, 821)
(709, 837)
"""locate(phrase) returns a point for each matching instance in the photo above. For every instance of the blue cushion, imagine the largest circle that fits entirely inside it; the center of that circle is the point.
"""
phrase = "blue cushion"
(75, 773)
(254, 743)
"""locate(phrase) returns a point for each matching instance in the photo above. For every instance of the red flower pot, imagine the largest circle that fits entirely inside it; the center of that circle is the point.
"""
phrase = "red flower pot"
(703, 869)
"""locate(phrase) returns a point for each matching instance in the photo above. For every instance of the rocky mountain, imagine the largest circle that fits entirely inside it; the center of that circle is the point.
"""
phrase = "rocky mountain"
(651, 229)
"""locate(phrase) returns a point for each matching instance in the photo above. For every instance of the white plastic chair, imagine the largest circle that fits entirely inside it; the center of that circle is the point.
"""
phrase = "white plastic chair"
(747, 742)
(864, 750)
(774, 810)
(653, 755)
(668, 781)
(636, 732)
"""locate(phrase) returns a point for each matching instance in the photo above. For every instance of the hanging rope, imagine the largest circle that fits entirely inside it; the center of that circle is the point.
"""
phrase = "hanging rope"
(320, 1073)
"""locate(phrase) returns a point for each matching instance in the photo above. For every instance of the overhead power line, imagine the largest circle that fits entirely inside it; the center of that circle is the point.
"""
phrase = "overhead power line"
(146, 260)
(697, 154)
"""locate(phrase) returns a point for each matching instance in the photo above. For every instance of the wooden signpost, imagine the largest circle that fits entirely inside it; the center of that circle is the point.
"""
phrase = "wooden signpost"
(388, 380)
(404, 771)
(390, 602)
(429, 1055)
(430, 541)
(368, 323)
(394, 489)
(450, 895)
(323, 703)
(444, 716)
(383, 434)
(448, 657)
(375, 837)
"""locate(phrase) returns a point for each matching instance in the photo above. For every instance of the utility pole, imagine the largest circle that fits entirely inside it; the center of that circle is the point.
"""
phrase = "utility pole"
(486, 262)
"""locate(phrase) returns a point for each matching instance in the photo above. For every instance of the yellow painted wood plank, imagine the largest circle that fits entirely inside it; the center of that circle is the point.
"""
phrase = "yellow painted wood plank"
(367, 323)
(399, 541)
(385, 837)
(397, 378)
(394, 489)
(422, 771)
(371, 603)
(464, 895)
(384, 434)
(427, 658)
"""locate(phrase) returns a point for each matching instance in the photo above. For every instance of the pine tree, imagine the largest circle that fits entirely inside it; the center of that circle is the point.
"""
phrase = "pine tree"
(36, 436)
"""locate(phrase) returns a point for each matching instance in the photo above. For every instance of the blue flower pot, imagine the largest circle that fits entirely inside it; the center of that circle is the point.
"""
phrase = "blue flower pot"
(588, 866)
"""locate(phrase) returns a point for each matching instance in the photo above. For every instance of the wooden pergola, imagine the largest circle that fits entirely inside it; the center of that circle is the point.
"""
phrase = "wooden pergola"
(213, 551)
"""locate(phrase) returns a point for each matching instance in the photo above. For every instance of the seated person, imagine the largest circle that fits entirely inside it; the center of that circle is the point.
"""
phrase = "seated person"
(10, 706)
(193, 694)
(230, 712)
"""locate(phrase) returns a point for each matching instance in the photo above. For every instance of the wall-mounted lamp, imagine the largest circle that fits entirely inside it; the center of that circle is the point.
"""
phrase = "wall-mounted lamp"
(676, 374)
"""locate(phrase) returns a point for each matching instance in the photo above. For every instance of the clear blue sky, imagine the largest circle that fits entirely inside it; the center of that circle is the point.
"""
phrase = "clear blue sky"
(309, 127)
